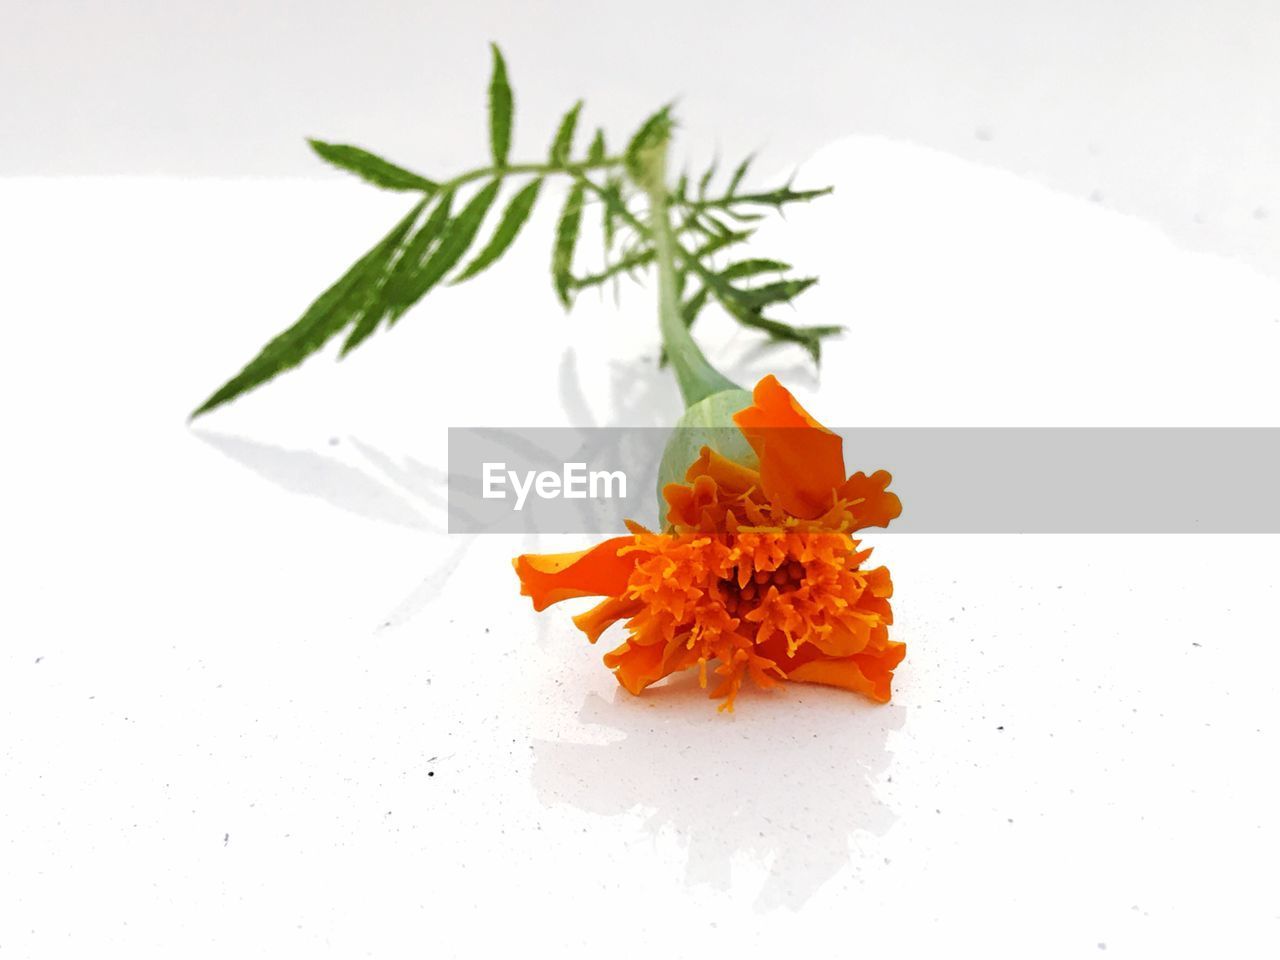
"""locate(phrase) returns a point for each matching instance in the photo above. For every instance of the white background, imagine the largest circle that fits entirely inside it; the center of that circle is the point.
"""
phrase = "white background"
(255, 702)
(1161, 108)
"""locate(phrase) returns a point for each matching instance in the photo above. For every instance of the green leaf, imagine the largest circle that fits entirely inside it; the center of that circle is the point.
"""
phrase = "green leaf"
(596, 152)
(712, 226)
(652, 135)
(611, 195)
(753, 267)
(682, 188)
(808, 337)
(454, 241)
(377, 306)
(372, 315)
(693, 306)
(566, 239)
(562, 145)
(780, 292)
(632, 261)
(786, 195)
(513, 218)
(331, 312)
(706, 179)
(500, 109)
(375, 170)
(414, 255)
(745, 305)
(716, 244)
(738, 174)
(772, 198)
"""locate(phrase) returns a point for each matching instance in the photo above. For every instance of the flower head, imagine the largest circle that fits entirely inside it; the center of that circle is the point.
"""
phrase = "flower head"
(757, 574)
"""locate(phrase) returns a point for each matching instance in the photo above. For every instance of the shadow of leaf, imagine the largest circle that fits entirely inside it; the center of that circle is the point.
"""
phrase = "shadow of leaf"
(325, 478)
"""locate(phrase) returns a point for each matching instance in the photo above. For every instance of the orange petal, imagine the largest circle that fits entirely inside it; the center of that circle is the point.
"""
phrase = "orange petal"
(604, 614)
(687, 501)
(729, 475)
(879, 582)
(551, 577)
(846, 638)
(875, 506)
(866, 673)
(801, 461)
(636, 667)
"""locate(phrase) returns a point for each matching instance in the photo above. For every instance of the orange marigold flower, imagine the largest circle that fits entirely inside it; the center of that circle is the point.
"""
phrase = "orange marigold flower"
(758, 574)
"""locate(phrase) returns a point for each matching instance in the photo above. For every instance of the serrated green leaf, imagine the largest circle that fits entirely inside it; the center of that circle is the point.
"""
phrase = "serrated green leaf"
(738, 174)
(716, 244)
(454, 241)
(611, 197)
(705, 181)
(740, 306)
(327, 315)
(652, 135)
(779, 292)
(513, 218)
(372, 168)
(566, 240)
(713, 227)
(786, 195)
(693, 306)
(808, 337)
(377, 306)
(562, 145)
(682, 187)
(415, 254)
(501, 107)
(596, 152)
(750, 268)
(772, 198)
(631, 261)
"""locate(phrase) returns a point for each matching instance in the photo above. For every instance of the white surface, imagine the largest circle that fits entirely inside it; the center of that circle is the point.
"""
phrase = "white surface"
(253, 702)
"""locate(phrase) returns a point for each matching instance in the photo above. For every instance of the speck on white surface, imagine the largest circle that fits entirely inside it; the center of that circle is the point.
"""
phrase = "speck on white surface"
(254, 701)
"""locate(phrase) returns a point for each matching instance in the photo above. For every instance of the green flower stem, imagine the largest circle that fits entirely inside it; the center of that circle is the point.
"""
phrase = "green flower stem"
(697, 378)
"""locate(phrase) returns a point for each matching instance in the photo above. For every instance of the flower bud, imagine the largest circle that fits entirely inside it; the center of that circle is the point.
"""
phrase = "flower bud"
(708, 423)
